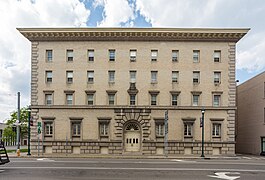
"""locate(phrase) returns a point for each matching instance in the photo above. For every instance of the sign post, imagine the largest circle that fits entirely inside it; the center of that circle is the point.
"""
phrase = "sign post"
(166, 133)
(39, 132)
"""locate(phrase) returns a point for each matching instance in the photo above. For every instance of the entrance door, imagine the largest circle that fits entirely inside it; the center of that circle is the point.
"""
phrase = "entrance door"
(132, 139)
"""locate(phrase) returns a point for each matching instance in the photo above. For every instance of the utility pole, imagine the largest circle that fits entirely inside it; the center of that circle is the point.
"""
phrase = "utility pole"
(166, 133)
(18, 124)
(202, 125)
(29, 119)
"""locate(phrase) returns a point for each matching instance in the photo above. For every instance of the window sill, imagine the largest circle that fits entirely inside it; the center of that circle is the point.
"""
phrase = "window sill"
(104, 136)
(188, 136)
(75, 136)
(216, 137)
(154, 82)
(47, 135)
(160, 136)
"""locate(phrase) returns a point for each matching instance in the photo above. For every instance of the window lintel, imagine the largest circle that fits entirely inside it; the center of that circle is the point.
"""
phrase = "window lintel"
(154, 92)
(69, 91)
(90, 91)
(48, 118)
(217, 119)
(76, 118)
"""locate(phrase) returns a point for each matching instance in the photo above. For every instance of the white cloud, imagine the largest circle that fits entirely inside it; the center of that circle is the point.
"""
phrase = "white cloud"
(116, 12)
(214, 13)
(15, 49)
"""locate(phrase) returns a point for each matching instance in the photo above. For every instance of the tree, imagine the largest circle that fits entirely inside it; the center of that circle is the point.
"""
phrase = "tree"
(10, 132)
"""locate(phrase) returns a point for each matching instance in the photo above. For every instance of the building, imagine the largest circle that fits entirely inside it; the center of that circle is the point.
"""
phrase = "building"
(106, 90)
(250, 137)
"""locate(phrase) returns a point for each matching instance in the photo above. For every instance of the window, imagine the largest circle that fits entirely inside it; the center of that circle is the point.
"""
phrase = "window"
(70, 55)
(90, 76)
(48, 128)
(104, 128)
(195, 99)
(174, 99)
(90, 99)
(153, 76)
(49, 55)
(133, 55)
(69, 76)
(132, 99)
(154, 55)
(217, 56)
(48, 76)
(76, 128)
(90, 54)
(175, 55)
(69, 99)
(188, 129)
(175, 76)
(216, 130)
(196, 77)
(196, 56)
(48, 99)
(111, 55)
(160, 128)
(111, 99)
(217, 77)
(132, 76)
(111, 76)
(216, 100)
(153, 99)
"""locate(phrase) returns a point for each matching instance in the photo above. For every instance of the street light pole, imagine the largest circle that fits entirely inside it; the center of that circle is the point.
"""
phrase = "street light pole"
(18, 124)
(29, 118)
(202, 124)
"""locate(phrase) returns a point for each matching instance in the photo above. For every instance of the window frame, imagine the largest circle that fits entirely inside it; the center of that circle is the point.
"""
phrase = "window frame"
(219, 100)
(46, 94)
(48, 79)
(69, 58)
(89, 100)
(175, 55)
(217, 75)
(112, 55)
(89, 53)
(69, 79)
(132, 56)
(111, 74)
(90, 79)
(48, 128)
(196, 56)
(154, 55)
(194, 77)
(175, 79)
(49, 55)
(67, 95)
(217, 130)
(217, 56)
(103, 124)
(155, 73)
(132, 100)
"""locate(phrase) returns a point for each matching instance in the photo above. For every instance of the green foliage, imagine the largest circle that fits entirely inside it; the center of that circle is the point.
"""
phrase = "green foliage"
(10, 131)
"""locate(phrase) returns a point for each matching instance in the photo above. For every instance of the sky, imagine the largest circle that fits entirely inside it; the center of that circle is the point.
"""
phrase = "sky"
(15, 49)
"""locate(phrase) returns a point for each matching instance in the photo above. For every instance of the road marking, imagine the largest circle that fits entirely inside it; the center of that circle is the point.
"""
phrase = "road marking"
(184, 161)
(246, 157)
(224, 175)
(44, 159)
(143, 169)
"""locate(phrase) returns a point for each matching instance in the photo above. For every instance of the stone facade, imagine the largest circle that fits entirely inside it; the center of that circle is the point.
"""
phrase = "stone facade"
(251, 116)
(174, 69)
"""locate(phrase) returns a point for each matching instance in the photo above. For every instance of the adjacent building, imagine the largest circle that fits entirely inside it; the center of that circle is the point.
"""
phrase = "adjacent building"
(106, 90)
(250, 137)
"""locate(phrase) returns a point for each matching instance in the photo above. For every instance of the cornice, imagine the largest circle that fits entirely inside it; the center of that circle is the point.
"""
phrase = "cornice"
(133, 34)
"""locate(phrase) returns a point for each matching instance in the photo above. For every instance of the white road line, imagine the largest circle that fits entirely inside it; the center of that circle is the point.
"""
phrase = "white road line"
(140, 169)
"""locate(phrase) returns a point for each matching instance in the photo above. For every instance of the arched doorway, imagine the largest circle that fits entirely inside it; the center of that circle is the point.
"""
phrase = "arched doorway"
(132, 137)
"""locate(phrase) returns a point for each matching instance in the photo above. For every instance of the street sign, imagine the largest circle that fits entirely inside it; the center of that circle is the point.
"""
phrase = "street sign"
(201, 122)
(39, 127)
(166, 122)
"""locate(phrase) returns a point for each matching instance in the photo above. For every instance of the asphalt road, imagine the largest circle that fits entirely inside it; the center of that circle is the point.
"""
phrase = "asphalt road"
(147, 169)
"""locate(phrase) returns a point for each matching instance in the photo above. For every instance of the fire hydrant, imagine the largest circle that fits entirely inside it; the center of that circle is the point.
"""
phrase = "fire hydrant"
(18, 152)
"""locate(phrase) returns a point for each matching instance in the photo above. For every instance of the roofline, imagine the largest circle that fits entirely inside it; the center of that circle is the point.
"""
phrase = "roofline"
(145, 29)
(251, 78)
(134, 34)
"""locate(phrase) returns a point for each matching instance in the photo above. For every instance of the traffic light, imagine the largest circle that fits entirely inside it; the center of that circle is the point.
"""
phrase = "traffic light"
(31, 121)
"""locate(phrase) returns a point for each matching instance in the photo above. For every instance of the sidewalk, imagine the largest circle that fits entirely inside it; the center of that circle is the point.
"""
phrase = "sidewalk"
(24, 155)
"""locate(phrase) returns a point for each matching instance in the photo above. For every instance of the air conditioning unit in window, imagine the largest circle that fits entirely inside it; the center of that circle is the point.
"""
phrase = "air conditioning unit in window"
(133, 59)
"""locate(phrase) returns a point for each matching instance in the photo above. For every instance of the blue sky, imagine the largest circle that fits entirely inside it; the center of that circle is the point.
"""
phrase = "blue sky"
(15, 49)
